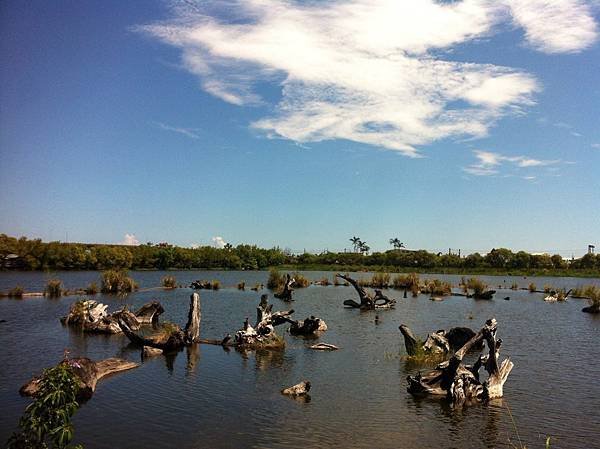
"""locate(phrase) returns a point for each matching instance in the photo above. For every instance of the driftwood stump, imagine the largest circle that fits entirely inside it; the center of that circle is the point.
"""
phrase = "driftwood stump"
(286, 293)
(440, 342)
(262, 335)
(367, 301)
(88, 373)
(177, 338)
(459, 383)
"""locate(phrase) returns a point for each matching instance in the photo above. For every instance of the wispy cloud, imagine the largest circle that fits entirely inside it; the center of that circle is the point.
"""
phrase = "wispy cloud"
(218, 242)
(596, 145)
(555, 26)
(130, 239)
(192, 133)
(347, 72)
(489, 163)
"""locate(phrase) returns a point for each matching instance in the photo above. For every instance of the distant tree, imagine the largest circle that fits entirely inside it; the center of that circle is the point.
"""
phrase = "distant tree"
(356, 243)
(363, 247)
(396, 243)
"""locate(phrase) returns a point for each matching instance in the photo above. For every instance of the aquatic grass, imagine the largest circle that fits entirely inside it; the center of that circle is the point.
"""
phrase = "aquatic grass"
(592, 292)
(300, 281)
(169, 281)
(438, 287)
(532, 287)
(548, 288)
(241, 285)
(117, 281)
(323, 281)
(514, 286)
(477, 285)
(53, 288)
(215, 285)
(276, 280)
(380, 280)
(165, 331)
(406, 281)
(91, 289)
(16, 292)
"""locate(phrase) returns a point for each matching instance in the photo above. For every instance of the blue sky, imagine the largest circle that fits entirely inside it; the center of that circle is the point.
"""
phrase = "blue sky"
(469, 124)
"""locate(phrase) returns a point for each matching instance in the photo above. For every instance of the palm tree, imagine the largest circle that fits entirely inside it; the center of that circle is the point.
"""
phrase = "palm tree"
(396, 243)
(364, 248)
(355, 243)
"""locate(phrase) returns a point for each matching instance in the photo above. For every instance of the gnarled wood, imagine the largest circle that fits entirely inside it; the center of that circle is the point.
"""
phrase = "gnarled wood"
(299, 389)
(177, 338)
(149, 313)
(367, 301)
(309, 326)
(88, 374)
(440, 342)
(262, 335)
(460, 383)
(286, 293)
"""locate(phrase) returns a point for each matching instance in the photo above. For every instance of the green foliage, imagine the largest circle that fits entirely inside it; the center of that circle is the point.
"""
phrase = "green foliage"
(53, 288)
(91, 289)
(16, 292)
(169, 282)
(46, 422)
(532, 287)
(117, 281)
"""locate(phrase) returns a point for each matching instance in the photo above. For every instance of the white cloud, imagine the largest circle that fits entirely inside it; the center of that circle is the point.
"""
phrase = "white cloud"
(218, 242)
(370, 71)
(130, 239)
(596, 145)
(488, 163)
(188, 132)
(555, 26)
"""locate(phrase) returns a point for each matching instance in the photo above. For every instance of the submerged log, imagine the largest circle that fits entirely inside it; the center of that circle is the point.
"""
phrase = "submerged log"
(286, 293)
(88, 374)
(297, 390)
(460, 383)
(308, 326)
(594, 308)
(488, 294)
(176, 339)
(367, 301)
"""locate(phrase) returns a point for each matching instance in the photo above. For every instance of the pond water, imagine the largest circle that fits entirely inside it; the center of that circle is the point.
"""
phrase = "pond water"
(207, 397)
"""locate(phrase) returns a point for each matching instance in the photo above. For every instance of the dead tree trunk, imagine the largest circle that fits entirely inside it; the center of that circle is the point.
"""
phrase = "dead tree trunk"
(88, 374)
(262, 335)
(286, 293)
(367, 301)
(309, 326)
(460, 383)
(440, 342)
(176, 339)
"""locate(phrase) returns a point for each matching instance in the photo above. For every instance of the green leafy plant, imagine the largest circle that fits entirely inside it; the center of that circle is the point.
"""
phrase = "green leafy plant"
(46, 422)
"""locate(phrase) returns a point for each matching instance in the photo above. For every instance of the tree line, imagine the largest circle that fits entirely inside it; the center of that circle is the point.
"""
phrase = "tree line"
(33, 254)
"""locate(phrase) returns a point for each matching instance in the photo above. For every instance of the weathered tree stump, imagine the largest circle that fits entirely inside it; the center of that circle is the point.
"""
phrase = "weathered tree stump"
(262, 335)
(308, 326)
(92, 317)
(299, 389)
(177, 338)
(440, 342)
(460, 383)
(286, 293)
(88, 373)
(594, 308)
(367, 301)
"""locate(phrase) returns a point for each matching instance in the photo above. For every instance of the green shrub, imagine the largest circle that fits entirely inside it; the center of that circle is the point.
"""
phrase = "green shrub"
(91, 289)
(53, 288)
(117, 281)
(16, 292)
(46, 422)
(169, 282)
(532, 288)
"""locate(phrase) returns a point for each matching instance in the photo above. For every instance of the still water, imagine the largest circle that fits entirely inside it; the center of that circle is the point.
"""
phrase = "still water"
(207, 397)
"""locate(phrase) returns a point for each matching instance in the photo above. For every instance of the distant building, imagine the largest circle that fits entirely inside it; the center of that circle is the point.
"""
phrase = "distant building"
(591, 249)
(12, 261)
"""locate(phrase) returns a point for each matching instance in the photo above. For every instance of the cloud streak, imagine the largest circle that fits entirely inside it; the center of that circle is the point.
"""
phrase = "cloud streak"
(368, 71)
(489, 163)
(131, 240)
(188, 132)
